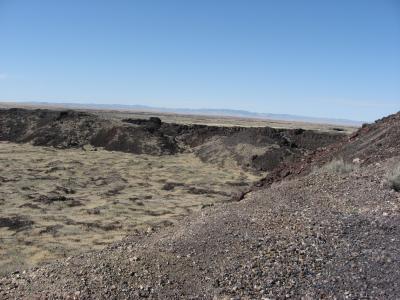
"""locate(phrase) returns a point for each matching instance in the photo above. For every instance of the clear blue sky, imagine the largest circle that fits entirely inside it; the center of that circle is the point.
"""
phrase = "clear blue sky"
(318, 58)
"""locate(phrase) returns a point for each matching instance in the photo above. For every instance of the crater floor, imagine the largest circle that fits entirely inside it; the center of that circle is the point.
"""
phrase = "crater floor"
(56, 203)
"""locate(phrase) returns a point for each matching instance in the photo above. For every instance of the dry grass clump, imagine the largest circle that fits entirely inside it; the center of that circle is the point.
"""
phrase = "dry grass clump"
(393, 178)
(338, 166)
(13, 261)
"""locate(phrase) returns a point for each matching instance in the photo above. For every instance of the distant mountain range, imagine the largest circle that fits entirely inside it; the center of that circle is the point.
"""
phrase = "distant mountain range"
(205, 111)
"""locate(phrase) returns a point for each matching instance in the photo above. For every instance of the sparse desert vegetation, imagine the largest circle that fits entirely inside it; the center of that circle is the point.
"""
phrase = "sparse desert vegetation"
(56, 203)
(338, 166)
(393, 178)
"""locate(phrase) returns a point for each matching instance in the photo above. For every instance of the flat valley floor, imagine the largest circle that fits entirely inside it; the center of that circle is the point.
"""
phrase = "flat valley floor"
(56, 203)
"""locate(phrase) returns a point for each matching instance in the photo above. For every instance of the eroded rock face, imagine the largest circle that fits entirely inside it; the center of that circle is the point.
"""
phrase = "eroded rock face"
(370, 144)
(67, 129)
(260, 149)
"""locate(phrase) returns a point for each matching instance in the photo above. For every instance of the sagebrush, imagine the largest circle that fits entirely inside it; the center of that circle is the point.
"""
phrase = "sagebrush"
(338, 166)
(393, 178)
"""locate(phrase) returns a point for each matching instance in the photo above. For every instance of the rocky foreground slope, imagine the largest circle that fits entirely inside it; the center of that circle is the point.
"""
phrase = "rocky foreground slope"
(322, 235)
(371, 143)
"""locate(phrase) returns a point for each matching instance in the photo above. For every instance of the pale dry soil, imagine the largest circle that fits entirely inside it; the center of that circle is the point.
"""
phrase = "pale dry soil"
(56, 203)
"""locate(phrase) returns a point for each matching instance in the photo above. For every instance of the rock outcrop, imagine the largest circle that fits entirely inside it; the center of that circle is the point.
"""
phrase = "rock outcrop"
(259, 149)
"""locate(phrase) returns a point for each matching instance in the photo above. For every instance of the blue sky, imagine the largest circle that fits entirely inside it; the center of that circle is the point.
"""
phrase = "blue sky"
(333, 58)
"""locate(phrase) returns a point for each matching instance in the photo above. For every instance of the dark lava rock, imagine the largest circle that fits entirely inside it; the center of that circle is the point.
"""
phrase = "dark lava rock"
(169, 186)
(30, 205)
(15, 222)
(152, 124)
(52, 229)
(73, 129)
(48, 199)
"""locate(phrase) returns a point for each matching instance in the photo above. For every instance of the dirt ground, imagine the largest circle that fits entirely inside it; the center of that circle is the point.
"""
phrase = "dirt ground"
(56, 203)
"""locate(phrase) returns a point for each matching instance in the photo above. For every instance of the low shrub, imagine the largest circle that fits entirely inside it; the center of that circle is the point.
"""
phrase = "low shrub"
(393, 178)
(338, 166)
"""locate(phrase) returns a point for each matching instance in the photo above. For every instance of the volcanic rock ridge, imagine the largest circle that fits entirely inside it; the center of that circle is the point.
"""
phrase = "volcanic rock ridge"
(260, 149)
